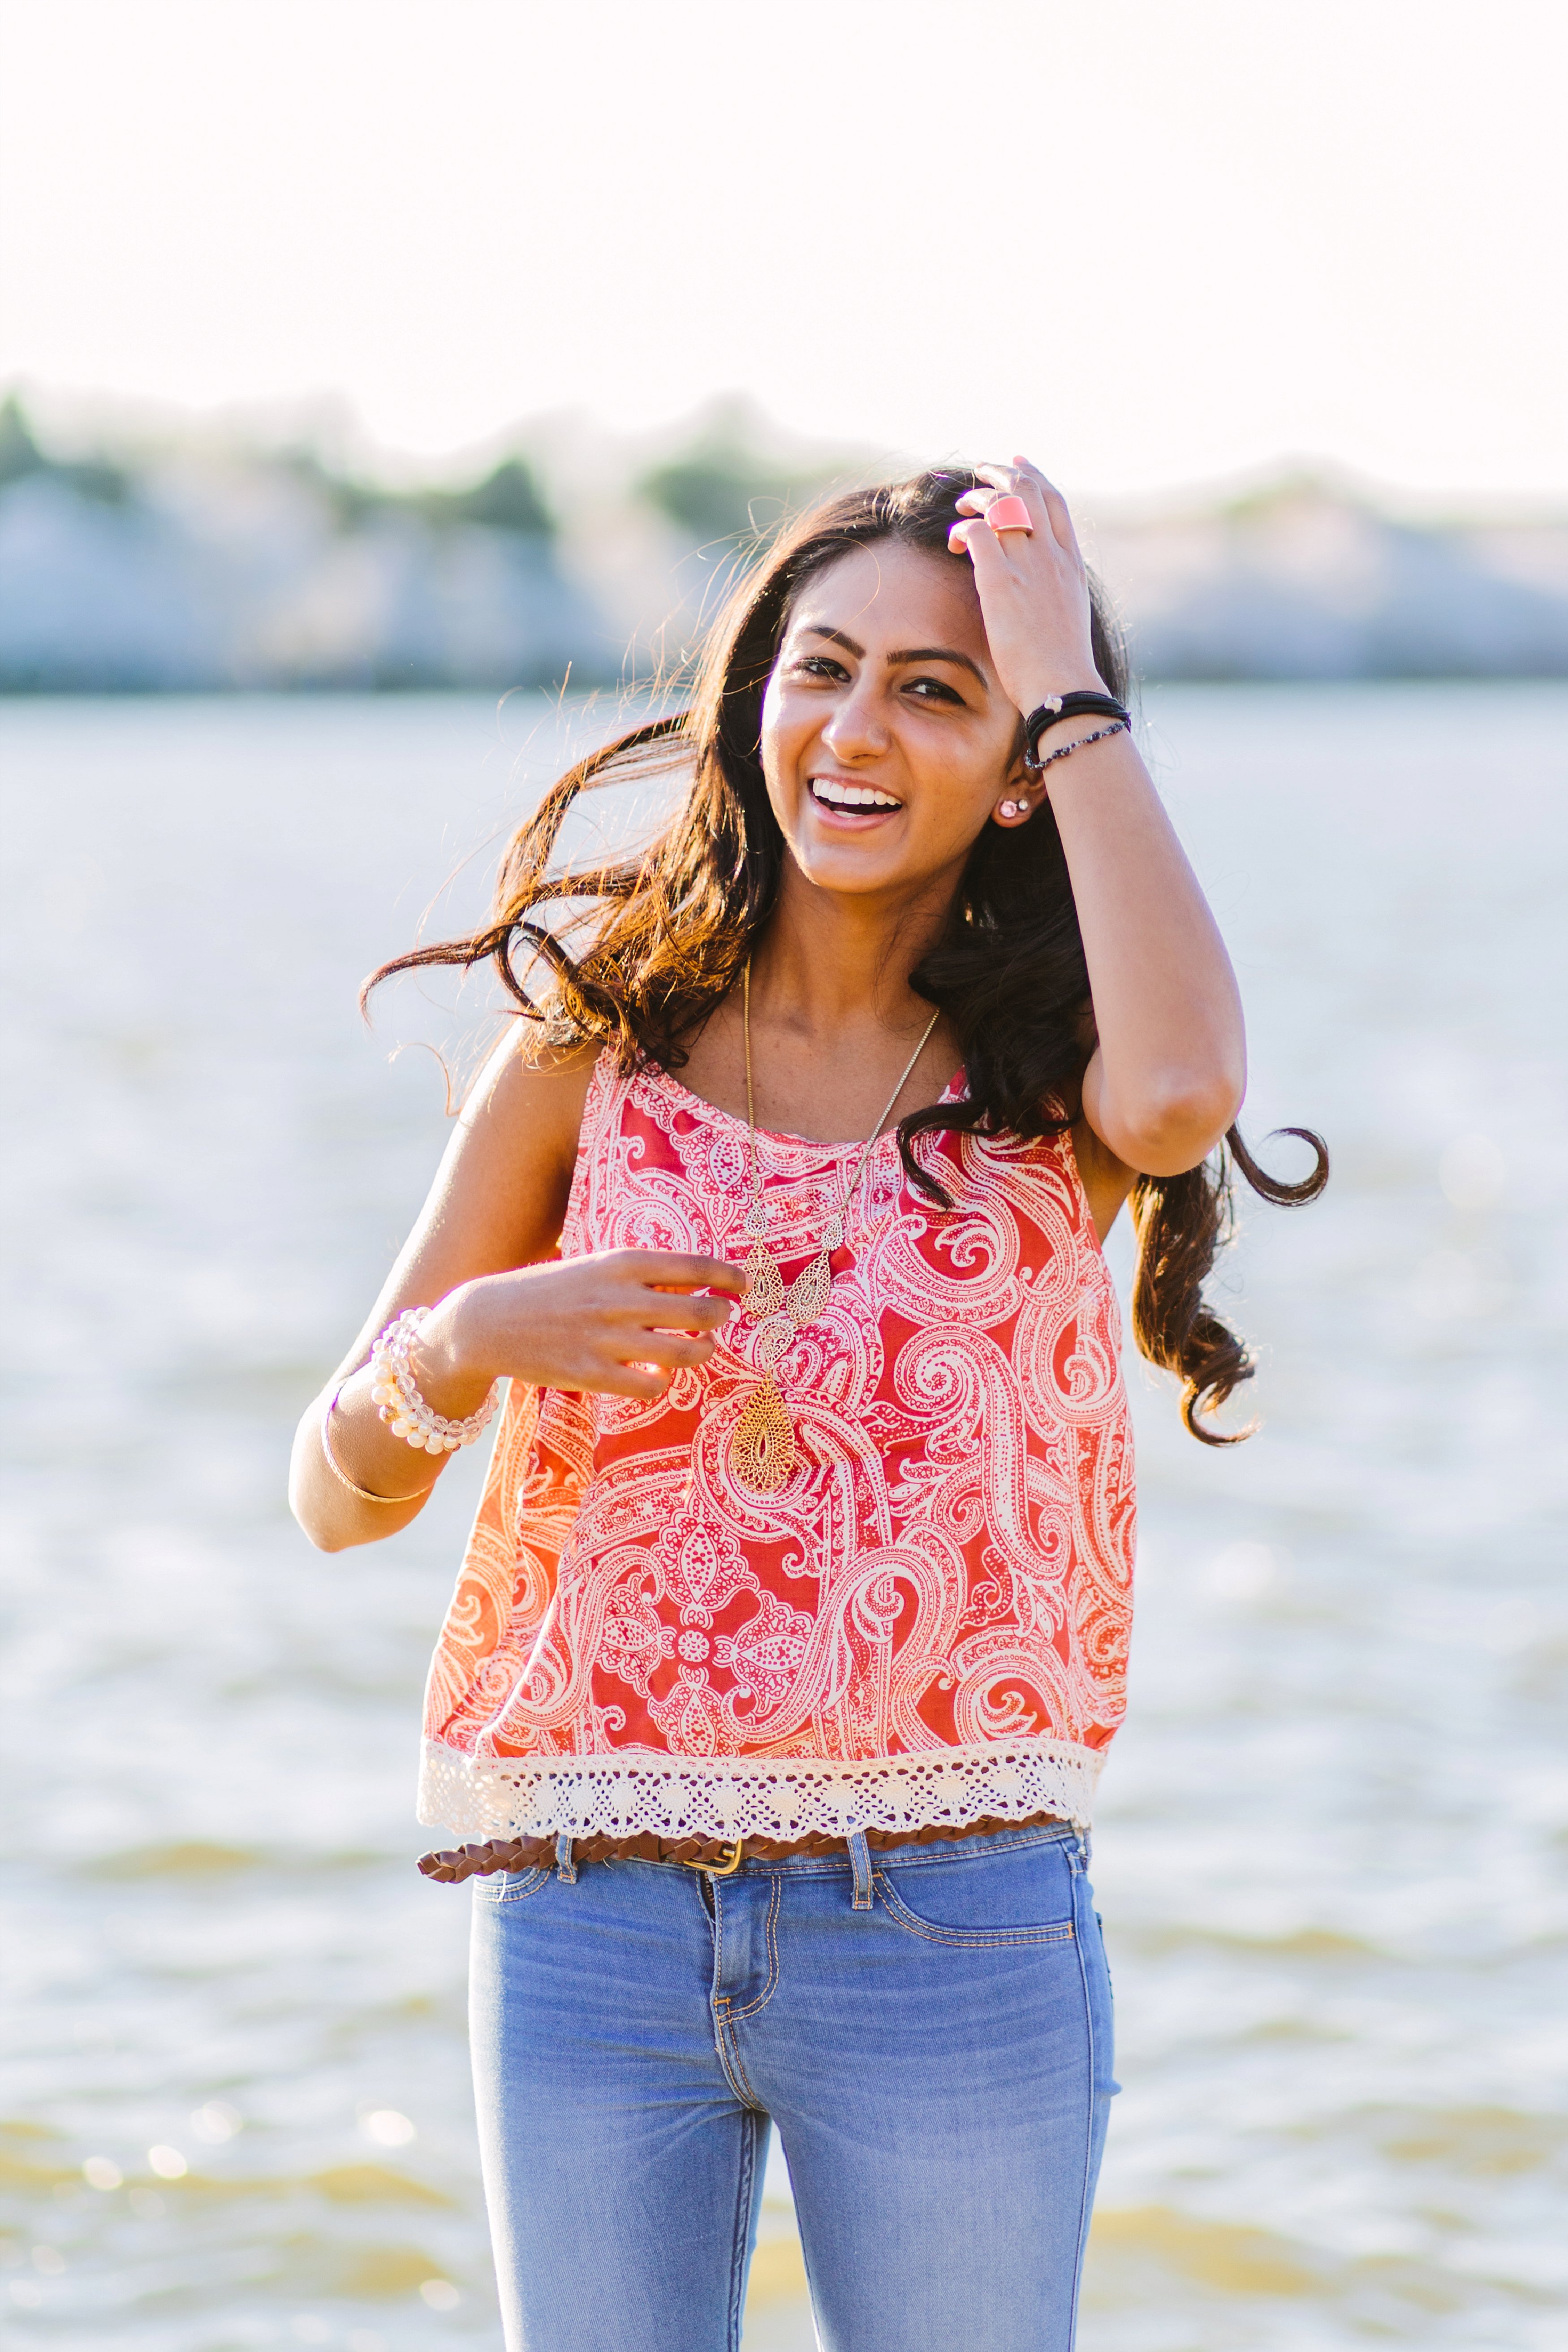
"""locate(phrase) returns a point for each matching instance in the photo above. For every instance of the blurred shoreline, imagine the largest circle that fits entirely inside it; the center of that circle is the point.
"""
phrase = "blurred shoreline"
(201, 562)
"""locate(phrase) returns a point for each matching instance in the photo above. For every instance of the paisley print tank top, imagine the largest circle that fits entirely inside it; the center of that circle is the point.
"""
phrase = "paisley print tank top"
(924, 1627)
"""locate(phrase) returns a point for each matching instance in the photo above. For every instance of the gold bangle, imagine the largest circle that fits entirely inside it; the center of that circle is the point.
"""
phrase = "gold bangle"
(342, 1476)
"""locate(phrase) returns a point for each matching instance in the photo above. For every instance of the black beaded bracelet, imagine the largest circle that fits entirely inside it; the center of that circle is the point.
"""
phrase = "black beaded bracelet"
(1057, 707)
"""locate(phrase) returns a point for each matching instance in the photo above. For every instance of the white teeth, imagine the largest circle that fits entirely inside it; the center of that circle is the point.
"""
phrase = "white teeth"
(839, 796)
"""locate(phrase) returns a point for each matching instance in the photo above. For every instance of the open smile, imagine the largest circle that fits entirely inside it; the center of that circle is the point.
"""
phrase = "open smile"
(850, 807)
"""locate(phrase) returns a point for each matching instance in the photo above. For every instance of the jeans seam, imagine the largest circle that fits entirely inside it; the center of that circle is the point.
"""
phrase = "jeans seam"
(723, 2032)
(1075, 1864)
(974, 1939)
(742, 2233)
(734, 2065)
(513, 1893)
(766, 1995)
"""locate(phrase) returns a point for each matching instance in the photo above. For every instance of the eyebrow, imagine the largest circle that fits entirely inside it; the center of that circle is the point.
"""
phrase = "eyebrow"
(910, 654)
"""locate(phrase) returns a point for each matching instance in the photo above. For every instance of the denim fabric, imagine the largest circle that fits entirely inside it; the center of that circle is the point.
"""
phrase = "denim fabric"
(938, 2065)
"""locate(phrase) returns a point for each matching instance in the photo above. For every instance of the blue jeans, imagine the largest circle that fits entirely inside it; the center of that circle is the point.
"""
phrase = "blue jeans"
(929, 2026)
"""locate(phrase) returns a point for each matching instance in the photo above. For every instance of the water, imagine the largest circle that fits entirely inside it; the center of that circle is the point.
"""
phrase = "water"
(1333, 1847)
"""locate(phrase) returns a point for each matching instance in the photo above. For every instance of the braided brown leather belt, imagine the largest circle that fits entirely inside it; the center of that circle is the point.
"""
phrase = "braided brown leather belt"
(721, 1857)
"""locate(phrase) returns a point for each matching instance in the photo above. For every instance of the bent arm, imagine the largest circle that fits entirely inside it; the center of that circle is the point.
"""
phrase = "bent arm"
(497, 1202)
(1169, 1069)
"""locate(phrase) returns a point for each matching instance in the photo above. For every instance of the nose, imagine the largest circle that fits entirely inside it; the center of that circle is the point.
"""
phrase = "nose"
(856, 730)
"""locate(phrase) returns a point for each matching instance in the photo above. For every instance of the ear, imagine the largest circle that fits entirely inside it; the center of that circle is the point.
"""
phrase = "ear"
(1019, 798)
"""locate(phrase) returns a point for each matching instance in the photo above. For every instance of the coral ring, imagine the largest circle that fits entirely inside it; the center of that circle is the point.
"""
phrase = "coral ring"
(1009, 514)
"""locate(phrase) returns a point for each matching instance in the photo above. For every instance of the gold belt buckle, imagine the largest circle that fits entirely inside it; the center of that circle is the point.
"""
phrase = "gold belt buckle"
(721, 1869)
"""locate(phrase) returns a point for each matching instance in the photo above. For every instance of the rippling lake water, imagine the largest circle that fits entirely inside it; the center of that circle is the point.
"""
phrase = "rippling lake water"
(1333, 1851)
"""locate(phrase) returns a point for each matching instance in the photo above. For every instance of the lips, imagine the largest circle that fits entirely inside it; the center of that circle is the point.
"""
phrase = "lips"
(847, 802)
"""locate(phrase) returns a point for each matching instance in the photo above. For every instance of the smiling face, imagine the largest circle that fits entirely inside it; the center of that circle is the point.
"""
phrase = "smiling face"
(887, 741)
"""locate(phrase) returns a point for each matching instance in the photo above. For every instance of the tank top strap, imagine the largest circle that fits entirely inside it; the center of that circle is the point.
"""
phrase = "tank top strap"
(601, 1109)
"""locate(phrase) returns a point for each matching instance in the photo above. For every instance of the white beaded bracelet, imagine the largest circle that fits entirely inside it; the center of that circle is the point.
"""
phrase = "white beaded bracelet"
(396, 1391)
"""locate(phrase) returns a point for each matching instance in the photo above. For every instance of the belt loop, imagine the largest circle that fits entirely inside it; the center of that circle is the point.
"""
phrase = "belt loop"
(860, 1863)
(565, 1868)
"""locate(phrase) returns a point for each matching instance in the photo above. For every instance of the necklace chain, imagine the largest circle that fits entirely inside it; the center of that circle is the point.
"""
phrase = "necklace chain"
(865, 1150)
(762, 1442)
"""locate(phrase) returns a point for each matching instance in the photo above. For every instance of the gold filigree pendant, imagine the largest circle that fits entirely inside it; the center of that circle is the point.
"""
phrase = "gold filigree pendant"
(762, 1452)
(764, 1285)
(807, 1294)
(762, 1442)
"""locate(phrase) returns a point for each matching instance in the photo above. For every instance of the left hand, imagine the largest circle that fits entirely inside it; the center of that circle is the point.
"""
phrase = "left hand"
(1033, 591)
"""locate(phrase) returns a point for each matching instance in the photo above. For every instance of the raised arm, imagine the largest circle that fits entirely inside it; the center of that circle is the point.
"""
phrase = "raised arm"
(483, 1256)
(1168, 1071)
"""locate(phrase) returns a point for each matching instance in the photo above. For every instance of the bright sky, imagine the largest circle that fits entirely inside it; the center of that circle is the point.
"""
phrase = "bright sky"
(1149, 241)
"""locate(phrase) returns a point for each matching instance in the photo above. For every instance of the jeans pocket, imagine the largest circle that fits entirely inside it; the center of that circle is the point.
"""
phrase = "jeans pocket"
(1009, 1894)
(509, 1886)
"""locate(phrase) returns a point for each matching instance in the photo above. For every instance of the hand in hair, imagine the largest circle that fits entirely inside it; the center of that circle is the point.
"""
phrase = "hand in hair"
(1032, 585)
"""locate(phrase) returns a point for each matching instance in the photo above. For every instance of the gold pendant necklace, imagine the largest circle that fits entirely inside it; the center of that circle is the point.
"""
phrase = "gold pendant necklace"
(762, 1442)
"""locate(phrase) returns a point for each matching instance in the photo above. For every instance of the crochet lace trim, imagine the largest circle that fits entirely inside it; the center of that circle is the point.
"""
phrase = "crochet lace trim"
(635, 1791)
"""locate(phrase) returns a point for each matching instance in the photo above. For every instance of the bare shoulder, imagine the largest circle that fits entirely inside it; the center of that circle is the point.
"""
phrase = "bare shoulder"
(1107, 1181)
(501, 1192)
(504, 1184)
(530, 1087)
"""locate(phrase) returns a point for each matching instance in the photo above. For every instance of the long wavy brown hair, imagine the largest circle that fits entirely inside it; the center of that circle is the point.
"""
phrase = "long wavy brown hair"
(638, 949)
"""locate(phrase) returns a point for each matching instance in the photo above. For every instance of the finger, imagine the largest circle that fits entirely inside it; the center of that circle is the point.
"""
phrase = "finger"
(671, 1347)
(996, 482)
(982, 505)
(694, 1314)
(664, 1347)
(631, 1381)
(1052, 503)
(1000, 477)
(973, 536)
(683, 1310)
(669, 1270)
(637, 1331)
(987, 506)
(1024, 479)
(1020, 481)
(983, 546)
(684, 1317)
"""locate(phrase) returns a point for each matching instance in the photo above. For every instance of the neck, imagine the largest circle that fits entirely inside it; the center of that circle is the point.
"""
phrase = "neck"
(827, 961)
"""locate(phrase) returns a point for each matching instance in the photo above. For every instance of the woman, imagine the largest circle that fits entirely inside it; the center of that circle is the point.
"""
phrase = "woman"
(793, 1627)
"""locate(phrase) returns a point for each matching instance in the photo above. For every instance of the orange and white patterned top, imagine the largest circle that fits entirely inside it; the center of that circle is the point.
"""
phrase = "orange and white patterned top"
(926, 1624)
